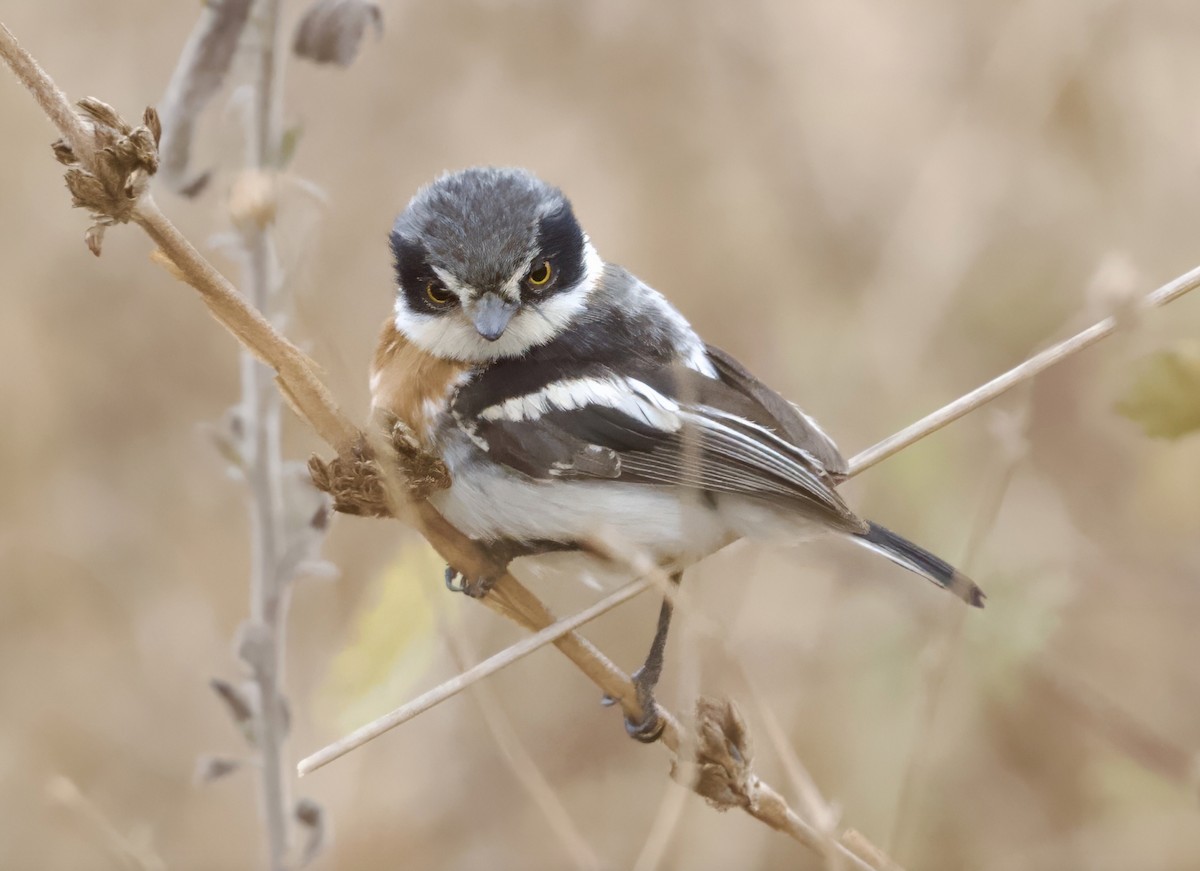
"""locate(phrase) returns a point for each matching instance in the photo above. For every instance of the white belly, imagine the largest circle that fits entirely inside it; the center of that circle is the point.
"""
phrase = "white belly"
(673, 525)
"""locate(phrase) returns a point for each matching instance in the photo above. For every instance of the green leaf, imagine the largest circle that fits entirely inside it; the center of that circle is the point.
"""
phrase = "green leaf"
(1163, 397)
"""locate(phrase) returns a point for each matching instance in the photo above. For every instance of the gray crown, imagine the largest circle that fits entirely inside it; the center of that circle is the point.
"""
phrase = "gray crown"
(479, 224)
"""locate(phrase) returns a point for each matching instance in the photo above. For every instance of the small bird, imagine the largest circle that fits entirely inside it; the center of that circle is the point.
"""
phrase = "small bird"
(565, 397)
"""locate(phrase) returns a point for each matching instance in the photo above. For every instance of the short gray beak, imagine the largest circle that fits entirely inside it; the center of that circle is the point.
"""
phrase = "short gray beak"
(492, 314)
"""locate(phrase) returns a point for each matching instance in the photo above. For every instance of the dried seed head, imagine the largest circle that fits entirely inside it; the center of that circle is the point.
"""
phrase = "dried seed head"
(331, 31)
(355, 485)
(724, 757)
(125, 159)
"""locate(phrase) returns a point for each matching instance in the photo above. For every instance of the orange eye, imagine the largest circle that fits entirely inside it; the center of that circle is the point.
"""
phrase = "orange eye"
(540, 276)
(437, 294)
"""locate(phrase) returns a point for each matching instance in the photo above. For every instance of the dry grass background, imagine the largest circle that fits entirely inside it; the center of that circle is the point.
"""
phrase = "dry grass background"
(876, 205)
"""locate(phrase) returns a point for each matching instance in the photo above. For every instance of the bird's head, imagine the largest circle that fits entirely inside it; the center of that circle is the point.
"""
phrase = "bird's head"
(489, 263)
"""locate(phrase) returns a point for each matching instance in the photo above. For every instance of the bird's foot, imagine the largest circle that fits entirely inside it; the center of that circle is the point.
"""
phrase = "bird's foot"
(650, 727)
(476, 588)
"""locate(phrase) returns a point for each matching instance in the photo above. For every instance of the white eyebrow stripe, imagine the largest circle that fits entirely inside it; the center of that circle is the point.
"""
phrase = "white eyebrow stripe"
(511, 289)
(462, 291)
(627, 395)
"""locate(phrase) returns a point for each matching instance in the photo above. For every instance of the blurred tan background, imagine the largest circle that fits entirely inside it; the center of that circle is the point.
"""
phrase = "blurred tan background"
(876, 204)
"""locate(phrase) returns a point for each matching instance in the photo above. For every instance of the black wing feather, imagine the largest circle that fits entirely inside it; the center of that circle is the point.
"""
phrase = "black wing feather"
(779, 414)
(726, 441)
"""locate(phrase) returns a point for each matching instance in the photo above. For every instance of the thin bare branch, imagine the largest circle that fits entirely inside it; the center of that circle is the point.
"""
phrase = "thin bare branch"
(53, 101)
(1001, 384)
(270, 576)
(552, 633)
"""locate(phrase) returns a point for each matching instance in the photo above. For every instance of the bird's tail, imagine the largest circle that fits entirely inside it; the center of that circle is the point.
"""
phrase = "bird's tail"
(916, 559)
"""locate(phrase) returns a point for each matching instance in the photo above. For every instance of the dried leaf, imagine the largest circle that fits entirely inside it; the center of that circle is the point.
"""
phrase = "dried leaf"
(1164, 394)
(228, 436)
(331, 31)
(94, 238)
(152, 123)
(211, 768)
(312, 818)
(236, 702)
(103, 114)
(202, 68)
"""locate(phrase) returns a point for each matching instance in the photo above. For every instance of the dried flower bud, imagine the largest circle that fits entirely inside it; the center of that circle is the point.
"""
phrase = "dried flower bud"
(253, 200)
(63, 152)
(331, 31)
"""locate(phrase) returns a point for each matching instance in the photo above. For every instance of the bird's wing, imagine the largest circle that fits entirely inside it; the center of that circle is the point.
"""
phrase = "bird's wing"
(668, 427)
(784, 417)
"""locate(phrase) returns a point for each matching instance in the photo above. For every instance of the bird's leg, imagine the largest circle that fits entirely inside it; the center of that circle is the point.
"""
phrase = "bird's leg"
(645, 679)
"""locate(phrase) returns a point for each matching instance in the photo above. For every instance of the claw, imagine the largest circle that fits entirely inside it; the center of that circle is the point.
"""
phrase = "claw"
(647, 730)
(403, 437)
(457, 582)
(452, 576)
(650, 728)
